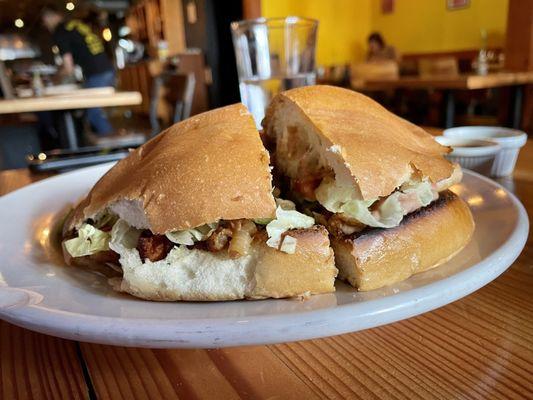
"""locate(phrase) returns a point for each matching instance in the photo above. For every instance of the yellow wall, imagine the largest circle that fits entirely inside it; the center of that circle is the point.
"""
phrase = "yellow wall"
(427, 26)
(344, 25)
(416, 26)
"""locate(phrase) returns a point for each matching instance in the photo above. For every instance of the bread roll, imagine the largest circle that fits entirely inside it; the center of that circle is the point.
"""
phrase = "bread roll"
(325, 131)
(208, 168)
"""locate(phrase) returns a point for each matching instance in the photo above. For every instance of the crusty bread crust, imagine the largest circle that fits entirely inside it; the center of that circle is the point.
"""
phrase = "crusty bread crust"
(424, 240)
(273, 274)
(310, 270)
(212, 166)
(377, 148)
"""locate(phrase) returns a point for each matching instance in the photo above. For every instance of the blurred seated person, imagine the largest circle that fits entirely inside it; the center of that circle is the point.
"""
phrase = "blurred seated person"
(78, 44)
(378, 49)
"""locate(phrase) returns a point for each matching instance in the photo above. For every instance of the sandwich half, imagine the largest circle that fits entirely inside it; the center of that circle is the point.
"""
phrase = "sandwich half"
(377, 182)
(191, 215)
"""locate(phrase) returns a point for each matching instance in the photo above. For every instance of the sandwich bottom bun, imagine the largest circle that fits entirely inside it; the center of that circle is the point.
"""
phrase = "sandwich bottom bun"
(197, 275)
(424, 240)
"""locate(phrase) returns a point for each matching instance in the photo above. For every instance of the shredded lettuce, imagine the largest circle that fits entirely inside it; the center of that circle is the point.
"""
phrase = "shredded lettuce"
(423, 190)
(285, 204)
(286, 218)
(90, 240)
(390, 212)
(122, 234)
(190, 236)
(344, 199)
(333, 195)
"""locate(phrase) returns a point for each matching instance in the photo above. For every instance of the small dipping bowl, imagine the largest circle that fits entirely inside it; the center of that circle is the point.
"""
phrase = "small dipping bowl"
(510, 140)
(475, 154)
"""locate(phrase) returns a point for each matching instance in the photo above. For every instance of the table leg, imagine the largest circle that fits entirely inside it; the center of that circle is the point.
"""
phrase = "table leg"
(516, 113)
(70, 130)
(449, 108)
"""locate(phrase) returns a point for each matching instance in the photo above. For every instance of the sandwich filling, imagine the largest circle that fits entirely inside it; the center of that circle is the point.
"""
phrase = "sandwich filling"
(342, 209)
(316, 176)
(108, 234)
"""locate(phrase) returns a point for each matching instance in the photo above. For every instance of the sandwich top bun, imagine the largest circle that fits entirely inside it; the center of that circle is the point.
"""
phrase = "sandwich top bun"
(212, 166)
(366, 145)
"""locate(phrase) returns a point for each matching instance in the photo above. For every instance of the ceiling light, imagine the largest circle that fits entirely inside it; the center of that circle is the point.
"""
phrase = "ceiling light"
(19, 23)
(70, 6)
(106, 34)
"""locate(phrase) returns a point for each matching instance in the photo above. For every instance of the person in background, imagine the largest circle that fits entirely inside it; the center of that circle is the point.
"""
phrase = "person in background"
(78, 44)
(378, 50)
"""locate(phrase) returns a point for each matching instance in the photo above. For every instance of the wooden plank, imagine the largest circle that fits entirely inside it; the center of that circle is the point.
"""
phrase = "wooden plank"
(35, 366)
(448, 82)
(97, 91)
(17, 178)
(173, 26)
(245, 372)
(478, 347)
(524, 166)
(65, 102)
(467, 54)
(413, 82)
(251, 9)
(519, 35)
(519, 50)
(499, 79)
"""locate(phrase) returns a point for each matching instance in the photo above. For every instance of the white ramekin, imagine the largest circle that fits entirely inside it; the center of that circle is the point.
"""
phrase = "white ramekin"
(510, 140)
(475, 154)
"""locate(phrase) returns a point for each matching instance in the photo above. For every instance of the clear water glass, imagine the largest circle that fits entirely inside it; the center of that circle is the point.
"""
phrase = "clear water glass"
(273, 54)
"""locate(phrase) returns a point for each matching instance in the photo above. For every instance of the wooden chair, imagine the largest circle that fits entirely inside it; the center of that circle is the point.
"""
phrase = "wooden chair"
(375, 70)
(442, 66)
(174, 92)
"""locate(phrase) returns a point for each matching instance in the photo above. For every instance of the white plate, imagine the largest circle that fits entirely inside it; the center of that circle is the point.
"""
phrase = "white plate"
(39, 294)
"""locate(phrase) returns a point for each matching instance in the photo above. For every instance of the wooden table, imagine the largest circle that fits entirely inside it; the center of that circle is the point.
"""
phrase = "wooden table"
(449, 83)
(479, 347)
(66, 102)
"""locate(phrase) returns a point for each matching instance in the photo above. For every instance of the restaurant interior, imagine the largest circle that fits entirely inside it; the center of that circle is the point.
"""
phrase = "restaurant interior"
(166, 268)
(436, 63)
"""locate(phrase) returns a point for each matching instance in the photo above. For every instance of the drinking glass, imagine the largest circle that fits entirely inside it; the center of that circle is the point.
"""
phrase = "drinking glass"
(273, 54)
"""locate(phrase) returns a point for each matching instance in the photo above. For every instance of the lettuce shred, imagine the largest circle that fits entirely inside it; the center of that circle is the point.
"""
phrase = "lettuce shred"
(190, 236)
(90, 240)
(344, 199)
(286, 218)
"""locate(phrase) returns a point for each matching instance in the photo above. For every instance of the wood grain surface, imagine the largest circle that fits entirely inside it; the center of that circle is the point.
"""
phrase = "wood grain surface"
(81, 98)
(447, 82)
(35, 366)
(480, 347)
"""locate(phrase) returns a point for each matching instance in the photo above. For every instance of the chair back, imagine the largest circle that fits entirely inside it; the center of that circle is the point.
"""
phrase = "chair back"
(374, 70)
(442, 66)
(174, 92)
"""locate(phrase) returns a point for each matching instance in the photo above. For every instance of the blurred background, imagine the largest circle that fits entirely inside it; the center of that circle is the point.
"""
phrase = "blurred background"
(112, 73)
